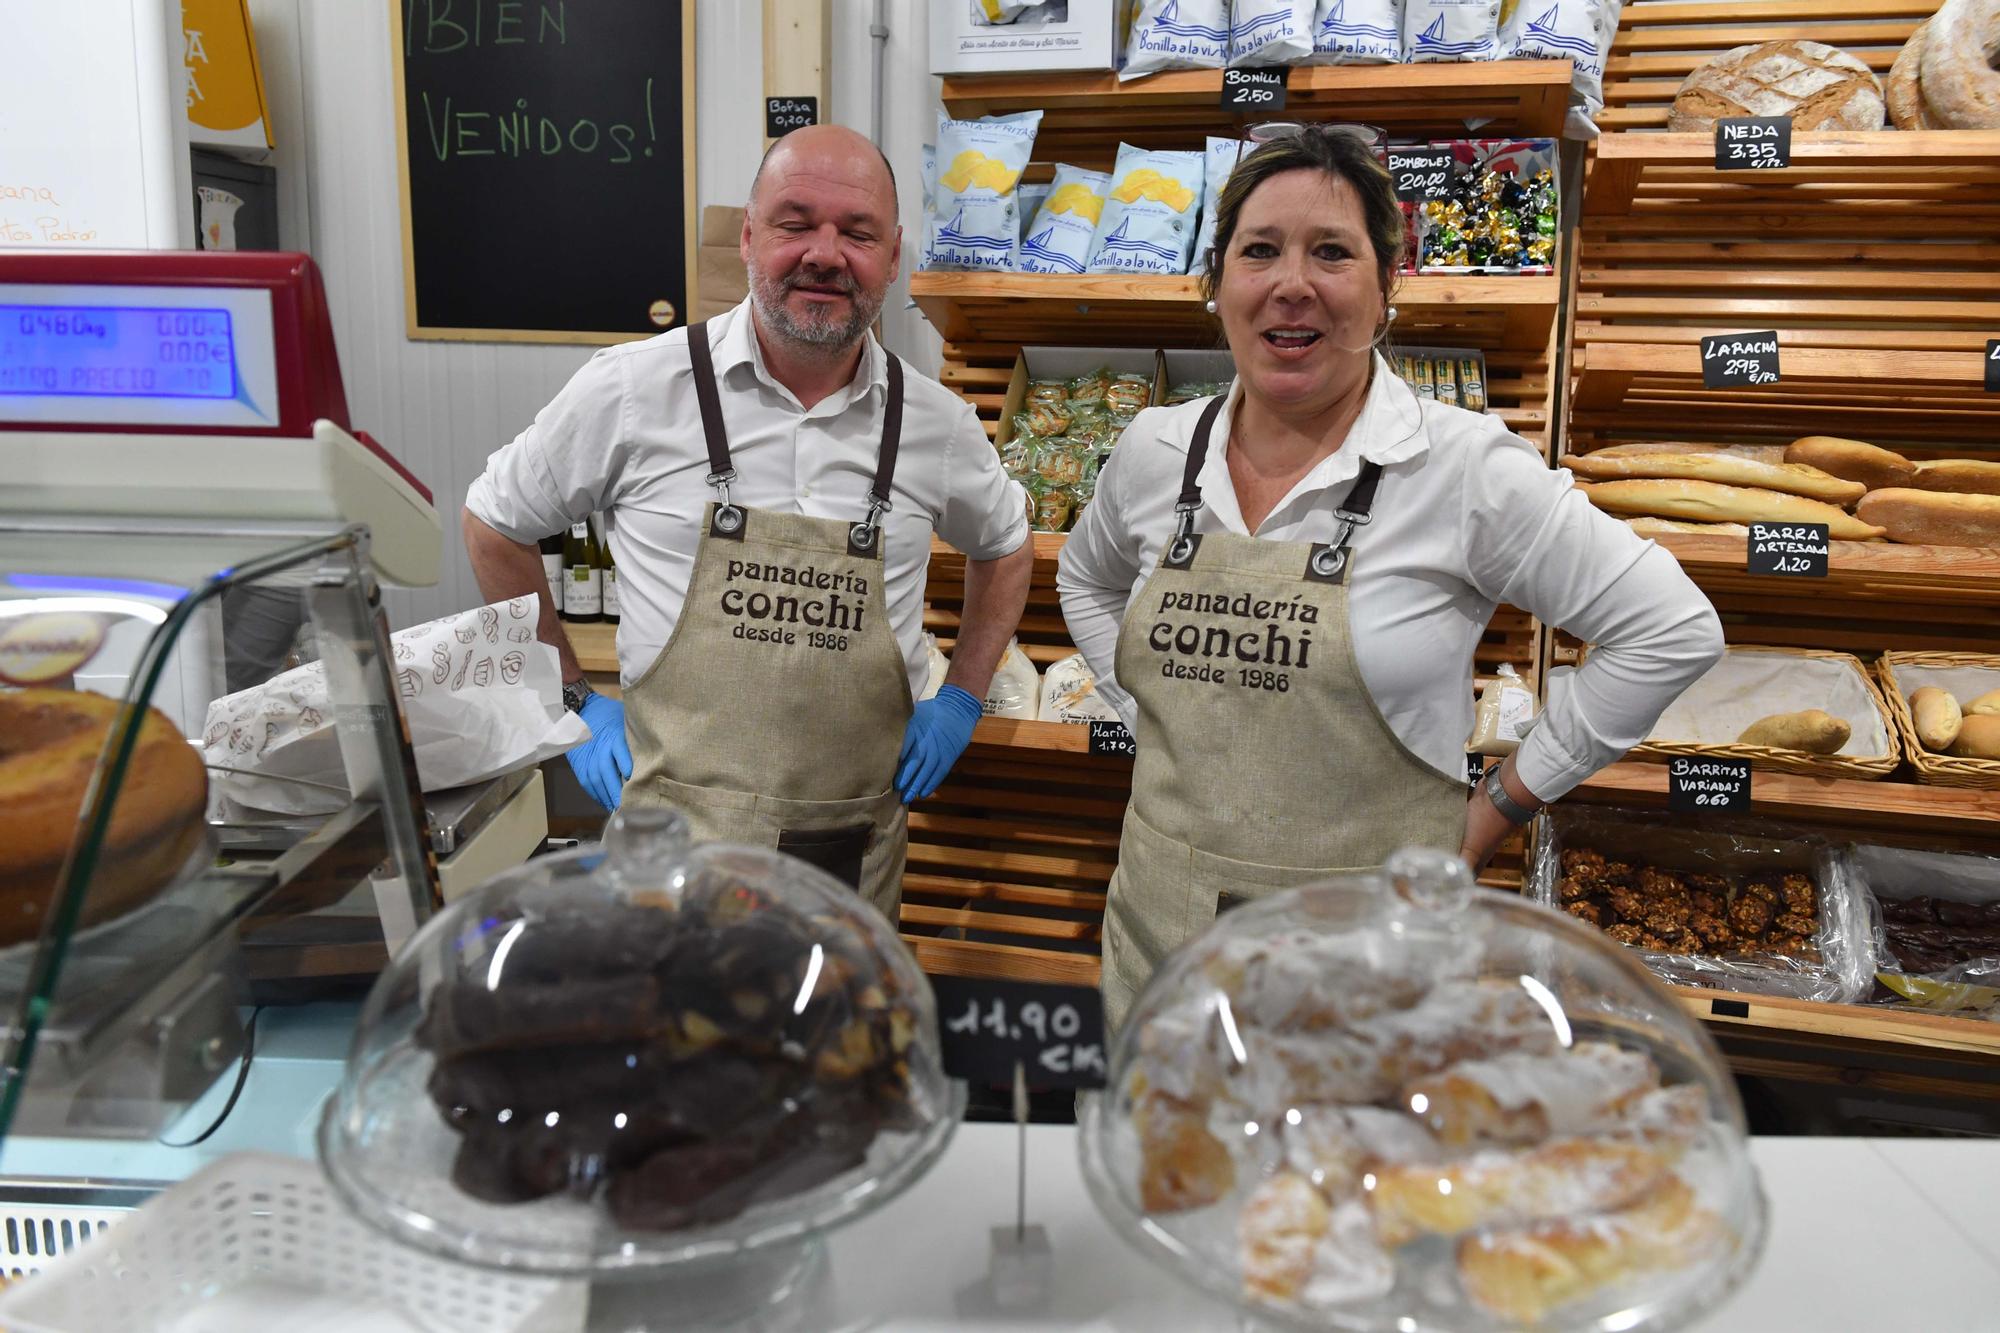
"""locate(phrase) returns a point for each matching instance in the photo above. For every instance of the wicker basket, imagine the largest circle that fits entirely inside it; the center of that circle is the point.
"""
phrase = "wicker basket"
(1941, 770)
(1867, 767)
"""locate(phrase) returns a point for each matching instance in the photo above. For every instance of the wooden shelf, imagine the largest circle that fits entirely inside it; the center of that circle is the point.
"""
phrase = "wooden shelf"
(1868, 571)
(1889, 1025)
(1958, 170)
(596, 647)
(1488, 311)
(1085, 115)
(1851, 805)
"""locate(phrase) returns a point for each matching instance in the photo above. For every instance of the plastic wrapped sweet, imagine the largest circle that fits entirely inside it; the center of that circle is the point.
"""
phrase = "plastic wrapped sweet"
(638, 1054)
(1392, 1100)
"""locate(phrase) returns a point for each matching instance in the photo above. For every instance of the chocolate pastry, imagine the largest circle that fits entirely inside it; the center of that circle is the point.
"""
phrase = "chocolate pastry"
(1669, 912)
(1586, 911)
(1752, 915)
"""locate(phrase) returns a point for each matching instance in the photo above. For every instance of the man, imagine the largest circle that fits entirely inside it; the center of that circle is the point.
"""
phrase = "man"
(771, 481)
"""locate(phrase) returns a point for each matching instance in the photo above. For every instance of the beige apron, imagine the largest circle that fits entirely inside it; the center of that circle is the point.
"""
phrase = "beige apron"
(1262, 761)
(775, 714)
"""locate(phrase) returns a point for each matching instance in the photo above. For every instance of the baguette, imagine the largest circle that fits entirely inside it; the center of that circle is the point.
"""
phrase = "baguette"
(1933, 518)
(1712, 502)
(1731, 470)
(1937, 717)
(1762, 453)
(1814, 731)
(1852, 460)
(1979, 738)
(1653, 527)
(1966, 476)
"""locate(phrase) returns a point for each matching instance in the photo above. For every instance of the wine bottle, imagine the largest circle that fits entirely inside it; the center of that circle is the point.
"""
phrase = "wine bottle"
(610, 569)
(583, 581)
(552, 568)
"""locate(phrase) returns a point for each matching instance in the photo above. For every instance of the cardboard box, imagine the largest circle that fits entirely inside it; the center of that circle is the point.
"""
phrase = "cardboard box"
(1181, 365)
(1057, 34)
(1062, 363)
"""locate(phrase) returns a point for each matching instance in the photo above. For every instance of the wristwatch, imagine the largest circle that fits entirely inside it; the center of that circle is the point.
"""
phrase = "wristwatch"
(574, 694)
(1496, 791)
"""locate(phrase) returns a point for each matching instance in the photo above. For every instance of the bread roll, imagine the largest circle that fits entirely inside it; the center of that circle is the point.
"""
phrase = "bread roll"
(1763, 453)
(1902, 90)
(1967, 476)
(1814, 731)
(1791, 478)
(1933, 518)
(1978, 738)
(1937, 717)
(1986, 705)
(1654, 527)
(1712, 502)
(1820, 87)
(1852, 460)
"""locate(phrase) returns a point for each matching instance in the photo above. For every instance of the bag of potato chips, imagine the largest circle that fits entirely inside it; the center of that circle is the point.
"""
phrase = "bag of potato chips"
(1451, 30)
(1058, 239)
(1358, 32)
(1176, 34)
(1270, 32)
(974, 206)
(1217, 163)
(1150, 214)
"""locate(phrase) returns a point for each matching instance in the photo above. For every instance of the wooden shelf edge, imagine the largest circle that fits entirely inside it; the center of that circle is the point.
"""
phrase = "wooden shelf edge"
(1047, 737)
(1417, 291)
(1848, 1022)
(1202, 88)
(1913, 148)
(1857, 804)
(1048, 546)
(1956, 569)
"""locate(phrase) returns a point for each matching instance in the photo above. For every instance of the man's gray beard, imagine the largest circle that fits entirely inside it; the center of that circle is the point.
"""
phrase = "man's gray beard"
(822, 332)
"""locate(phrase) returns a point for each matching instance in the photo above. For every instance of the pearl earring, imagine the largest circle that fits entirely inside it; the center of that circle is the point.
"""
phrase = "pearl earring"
(1209, 306)
(1392, 314)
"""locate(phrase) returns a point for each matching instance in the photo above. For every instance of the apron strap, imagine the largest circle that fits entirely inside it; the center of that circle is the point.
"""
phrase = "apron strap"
(1189, 503)
(862, 538)
(728, 519)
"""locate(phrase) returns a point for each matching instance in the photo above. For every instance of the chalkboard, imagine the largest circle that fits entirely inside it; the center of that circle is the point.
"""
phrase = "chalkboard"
(548, 163)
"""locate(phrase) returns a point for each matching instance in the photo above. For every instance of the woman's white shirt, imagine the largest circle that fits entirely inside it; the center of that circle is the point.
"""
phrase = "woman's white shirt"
(1467, 516)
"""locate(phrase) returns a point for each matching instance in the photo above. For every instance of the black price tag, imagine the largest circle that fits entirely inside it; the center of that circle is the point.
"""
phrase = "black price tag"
(1789, 548)
(1056, 1033)
(1735, 360)
(1753, 143)
(782, 115)
(1698, 785)
(1993, 365)
(1421, 173)
(1112, 738)
(1253, 90)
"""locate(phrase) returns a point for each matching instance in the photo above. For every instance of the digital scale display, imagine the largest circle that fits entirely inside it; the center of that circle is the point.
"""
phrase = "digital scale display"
(137, 354)
(117, 351)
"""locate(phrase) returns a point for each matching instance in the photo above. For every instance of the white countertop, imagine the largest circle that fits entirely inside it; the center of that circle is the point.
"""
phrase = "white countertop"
(1866, 1234)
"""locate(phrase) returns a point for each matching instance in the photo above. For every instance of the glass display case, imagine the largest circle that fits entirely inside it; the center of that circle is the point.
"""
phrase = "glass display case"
(141, 905)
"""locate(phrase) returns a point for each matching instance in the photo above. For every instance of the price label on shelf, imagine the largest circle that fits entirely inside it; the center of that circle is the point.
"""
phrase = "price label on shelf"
(1753, 143)
(782, 115)
(1253, 90)
(1056, 1033)
(1420, 173)
(1695, 786)
(1993, 365)
(1789, 548)
(1737, 360)
(1112, 738)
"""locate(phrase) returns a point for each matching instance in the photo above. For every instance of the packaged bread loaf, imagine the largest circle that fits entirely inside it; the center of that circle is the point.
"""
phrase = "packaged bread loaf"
(1069, 693)
(1852, 460)
(1016, 691)
(1791, 478)
(1978, 738)
(1968, 476)
(1818, 86)
(1712, 502)
(1937, 716)
(1933, 518)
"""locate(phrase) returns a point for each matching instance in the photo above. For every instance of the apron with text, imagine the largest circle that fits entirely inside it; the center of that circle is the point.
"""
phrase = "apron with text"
(1262, 761)
(776, 711)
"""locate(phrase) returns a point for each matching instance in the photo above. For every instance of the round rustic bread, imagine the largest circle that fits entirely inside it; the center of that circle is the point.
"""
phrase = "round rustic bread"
(1818, 86)
(1903, 89)
(1960, 86)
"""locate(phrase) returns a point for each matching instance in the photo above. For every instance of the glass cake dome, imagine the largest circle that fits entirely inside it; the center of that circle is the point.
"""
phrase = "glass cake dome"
(638, 1056)
(1391, 1101)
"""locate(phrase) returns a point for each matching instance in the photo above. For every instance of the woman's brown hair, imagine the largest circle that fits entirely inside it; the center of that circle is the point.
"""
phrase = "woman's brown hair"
(1336, 155)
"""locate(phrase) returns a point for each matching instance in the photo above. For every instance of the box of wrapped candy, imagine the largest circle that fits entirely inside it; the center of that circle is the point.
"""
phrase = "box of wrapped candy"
(1064, 410)
(1502, 213)
(1731, 904)
(1937, 939)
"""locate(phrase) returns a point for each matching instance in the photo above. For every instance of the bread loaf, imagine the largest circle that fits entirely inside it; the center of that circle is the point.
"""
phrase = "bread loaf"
(1967, 476)
(1902, 91)
(1852, 460)
(1978, 738)
(1986, 705)
(1814, 731)
(1937, 716)
(1654, 527)
(1961, 89)
(1791, 478)
(1818, 86)
(1712, 502)
(1763, 453)
(1933, 518)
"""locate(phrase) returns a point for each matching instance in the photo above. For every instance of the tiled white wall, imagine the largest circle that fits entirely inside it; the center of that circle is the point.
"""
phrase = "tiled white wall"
(443, 406)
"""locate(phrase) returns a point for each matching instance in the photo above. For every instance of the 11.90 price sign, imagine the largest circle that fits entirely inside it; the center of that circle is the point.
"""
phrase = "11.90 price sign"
(1056, 1033)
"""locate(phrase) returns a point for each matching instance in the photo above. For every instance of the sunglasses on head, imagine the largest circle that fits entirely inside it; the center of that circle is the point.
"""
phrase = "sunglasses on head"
(1368, 136)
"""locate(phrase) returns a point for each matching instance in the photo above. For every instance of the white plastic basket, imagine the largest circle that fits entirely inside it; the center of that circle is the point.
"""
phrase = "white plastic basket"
(255, 1243)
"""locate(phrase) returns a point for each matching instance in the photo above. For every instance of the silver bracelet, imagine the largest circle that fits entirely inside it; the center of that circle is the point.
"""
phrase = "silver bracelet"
(1496, 791)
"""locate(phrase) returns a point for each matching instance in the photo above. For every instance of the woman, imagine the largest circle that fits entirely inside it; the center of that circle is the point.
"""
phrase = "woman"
(1281, 589)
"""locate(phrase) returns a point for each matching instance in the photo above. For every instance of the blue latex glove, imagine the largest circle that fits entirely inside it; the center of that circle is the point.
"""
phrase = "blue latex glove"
(603, 762)
(939, 731)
